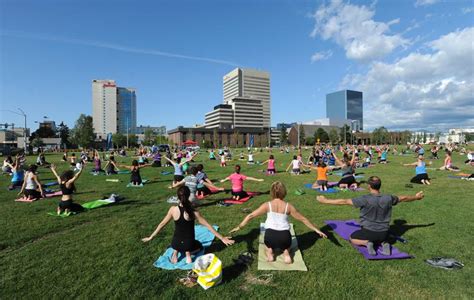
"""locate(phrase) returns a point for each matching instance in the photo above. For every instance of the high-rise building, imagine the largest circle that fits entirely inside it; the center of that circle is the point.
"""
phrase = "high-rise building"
(249, 84)
(113, 108)
(346, 105)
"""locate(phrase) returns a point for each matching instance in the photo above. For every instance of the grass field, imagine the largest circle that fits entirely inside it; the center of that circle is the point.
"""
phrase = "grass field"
(99, 253)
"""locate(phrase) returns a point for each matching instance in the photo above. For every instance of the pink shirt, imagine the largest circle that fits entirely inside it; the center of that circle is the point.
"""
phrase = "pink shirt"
(237, 182)
(271, 164)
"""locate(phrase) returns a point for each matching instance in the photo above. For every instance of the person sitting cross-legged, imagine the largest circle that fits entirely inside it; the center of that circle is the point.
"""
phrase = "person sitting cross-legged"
(375, 215)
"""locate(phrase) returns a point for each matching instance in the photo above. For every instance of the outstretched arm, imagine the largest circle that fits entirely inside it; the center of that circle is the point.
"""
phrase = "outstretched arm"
(53, 169)
(78, 174)
(226, 240)
(169, 160)
(254, 179)
(225, 179)
(325, 200)
(258, 212)
(418, 196)
(411, 165)
(298, 216)
(162, 224)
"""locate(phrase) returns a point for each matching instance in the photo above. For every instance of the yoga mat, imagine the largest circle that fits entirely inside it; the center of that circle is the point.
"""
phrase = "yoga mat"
(279, 265)
(455, 177)
(137, 186)
(96, 203)
(355, 176)
(203, 235)
(124, 172)
(166, 173)
(345, 228)
(329, 190)
(47, 195)
(50, 183)
(213, 191)
(242, 200)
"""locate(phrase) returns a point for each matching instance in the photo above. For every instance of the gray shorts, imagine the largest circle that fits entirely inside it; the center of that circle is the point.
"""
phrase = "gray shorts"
(322, 182)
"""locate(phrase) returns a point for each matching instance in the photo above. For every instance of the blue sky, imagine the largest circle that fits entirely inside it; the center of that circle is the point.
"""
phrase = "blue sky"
(412, 59)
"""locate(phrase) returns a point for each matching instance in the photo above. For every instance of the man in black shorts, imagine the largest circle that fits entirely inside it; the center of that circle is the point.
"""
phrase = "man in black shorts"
(375, 213)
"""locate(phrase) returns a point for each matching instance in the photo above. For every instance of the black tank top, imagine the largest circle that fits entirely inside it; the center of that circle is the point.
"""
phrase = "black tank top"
(65, 190)
(184, 229)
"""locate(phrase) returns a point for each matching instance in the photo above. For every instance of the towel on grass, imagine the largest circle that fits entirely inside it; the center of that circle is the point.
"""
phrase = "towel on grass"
(203, 235)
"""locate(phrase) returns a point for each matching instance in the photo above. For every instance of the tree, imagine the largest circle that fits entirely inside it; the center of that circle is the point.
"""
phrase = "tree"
(283, 136)
(37, 142)
(161, 139)
(424, 137)
(321, 135)
(215, 138)
(380, 135)
(334, 136)
(119, 140)
(83, 133)
(405, 136)
(302, 135)
(309, 141)
(132, 140)
(149, 137)
(64, 134)
(345, 134)
(44, 132)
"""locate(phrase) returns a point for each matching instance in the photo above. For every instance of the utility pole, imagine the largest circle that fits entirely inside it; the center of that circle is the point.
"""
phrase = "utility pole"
(298, 135)
(127, 132)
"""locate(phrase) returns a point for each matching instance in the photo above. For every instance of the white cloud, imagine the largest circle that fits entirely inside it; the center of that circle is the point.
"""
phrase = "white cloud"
(433, 90)
(353, 28)
(467, 10)
(425, 2)
(323, 55)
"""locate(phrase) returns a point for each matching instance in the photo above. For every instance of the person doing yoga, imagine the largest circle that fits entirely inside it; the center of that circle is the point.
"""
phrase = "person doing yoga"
(17, 174)
(271, 165)
(184, 216)
(31, 185)
(448, 163)
(421, 176)
(347, 169)
(375, 214)
(66, 184)
(277, 226)
(237, 181)
(135, 177)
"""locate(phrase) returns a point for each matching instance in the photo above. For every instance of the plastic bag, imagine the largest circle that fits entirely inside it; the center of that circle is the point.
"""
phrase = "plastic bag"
(209, 270)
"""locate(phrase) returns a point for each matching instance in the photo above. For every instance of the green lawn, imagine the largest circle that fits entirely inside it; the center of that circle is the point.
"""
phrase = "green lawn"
(99, 254)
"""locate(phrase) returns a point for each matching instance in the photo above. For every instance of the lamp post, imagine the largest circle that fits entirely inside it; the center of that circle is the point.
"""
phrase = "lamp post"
(298, 135)
(127, 132)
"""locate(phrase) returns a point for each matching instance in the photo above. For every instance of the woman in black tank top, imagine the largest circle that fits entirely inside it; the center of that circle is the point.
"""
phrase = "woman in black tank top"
(135, 177)
(184, 217)
(66, 184)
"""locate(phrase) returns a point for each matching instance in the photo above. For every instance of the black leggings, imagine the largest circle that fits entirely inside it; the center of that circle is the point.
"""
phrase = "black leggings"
(418, 178)
(277, 239)
(241, 194)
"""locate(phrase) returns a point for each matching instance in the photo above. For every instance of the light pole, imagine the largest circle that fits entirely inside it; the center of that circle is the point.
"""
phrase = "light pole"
(298, 135)
(127, 132)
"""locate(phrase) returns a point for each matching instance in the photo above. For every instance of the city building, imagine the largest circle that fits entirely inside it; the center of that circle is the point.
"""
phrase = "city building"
(249, 84)
(281, 126)
(113, 108)
(346, 105)
(221, 117)
(329, 122)
(48, 124)
(158, 130)
(306, 131)
(243, 137)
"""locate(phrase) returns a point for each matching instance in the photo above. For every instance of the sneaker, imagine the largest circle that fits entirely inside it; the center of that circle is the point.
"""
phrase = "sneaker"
(386, 249)
(371, 249)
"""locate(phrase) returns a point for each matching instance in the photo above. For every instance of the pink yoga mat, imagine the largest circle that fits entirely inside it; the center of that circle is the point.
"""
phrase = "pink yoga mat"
(243, 200)
(50, 195)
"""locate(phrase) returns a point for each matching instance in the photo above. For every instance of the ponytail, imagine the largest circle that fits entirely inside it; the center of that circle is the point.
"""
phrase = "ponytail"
(183, 196)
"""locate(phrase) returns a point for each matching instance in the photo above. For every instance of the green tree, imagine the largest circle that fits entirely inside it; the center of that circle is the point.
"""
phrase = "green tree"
(83, 133)
(380, 135)
(302, 135)
(322, 135)
(345, 134)
(309, 141)
(132, 140)
(44, 132)
(64, 134)
(161, 139)
(37, 142)
(119, 140)
(149, 137)
(405, 136)
(334, 136)
(283, 136)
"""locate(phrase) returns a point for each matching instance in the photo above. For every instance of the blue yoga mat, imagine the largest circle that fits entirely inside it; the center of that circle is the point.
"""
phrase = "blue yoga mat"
(203, 235)
(50, 183)
(355, 176)
(329, 191)
(166, 173)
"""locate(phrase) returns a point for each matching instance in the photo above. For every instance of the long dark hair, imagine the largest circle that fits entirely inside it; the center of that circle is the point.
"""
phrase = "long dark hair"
(183, 196)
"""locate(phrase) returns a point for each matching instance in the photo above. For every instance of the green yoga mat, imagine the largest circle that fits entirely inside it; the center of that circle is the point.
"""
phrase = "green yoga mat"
(96, 203)
(279, 265)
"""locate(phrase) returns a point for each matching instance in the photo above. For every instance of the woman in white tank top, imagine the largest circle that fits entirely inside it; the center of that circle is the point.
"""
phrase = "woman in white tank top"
(31, 185)
(277, 226)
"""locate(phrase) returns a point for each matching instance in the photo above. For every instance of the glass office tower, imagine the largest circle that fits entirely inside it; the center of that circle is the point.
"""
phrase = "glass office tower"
(126, 110)
(346, 105)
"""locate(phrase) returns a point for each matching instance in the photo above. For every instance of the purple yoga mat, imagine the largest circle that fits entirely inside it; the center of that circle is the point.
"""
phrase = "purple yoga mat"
(345, 228)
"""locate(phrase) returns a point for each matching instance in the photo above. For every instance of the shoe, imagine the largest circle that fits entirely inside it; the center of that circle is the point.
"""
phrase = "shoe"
(371, 249)
(386, 249)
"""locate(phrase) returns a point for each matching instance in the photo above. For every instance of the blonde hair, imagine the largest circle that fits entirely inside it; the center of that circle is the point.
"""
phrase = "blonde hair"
(278, 190)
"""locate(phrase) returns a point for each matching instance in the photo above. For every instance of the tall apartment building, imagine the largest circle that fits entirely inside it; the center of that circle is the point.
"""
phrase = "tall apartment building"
(249, 84)
(114, 108)
(346, 105)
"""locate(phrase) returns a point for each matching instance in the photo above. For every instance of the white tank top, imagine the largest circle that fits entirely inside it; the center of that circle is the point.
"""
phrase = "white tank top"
(277, 221)
(30, 183)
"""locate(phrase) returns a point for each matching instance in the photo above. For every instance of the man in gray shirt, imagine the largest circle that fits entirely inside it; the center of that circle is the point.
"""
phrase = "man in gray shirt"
(375, 215)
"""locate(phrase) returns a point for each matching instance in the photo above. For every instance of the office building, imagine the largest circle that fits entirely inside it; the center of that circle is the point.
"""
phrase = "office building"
(346, 105)
(249, 84)
(221, 117)
(113, 108)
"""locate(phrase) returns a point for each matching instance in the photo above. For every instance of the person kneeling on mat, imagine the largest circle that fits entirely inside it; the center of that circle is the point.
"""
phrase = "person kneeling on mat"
(421, 175)
(66, 184)
(184, 239)
(237, 180)
(277, 227)
(375, 214)
(31, 184)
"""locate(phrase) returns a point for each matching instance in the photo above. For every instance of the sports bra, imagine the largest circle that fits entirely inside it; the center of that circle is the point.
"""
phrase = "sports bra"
(65, 190)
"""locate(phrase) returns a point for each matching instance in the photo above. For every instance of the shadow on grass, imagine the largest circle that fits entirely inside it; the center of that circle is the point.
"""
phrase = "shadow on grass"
(329, 232)
(233, 271)
(400, 227)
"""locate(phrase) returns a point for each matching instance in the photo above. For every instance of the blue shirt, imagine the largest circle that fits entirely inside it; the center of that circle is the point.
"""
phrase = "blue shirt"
(420, 169)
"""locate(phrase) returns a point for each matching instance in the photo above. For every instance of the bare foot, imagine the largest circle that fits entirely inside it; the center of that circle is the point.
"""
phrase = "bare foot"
(174, 257)
(269, 253)
(188, 258)
(286, 257)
